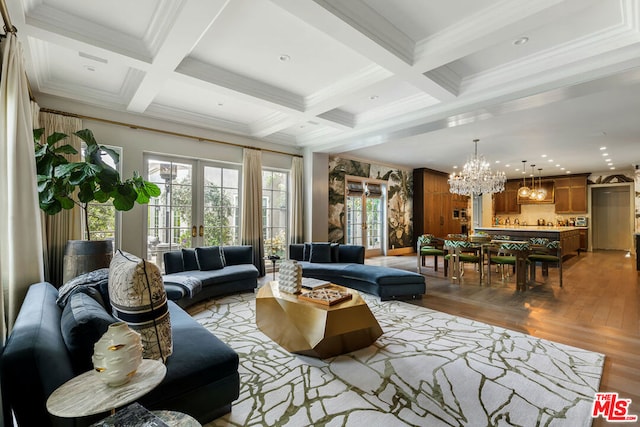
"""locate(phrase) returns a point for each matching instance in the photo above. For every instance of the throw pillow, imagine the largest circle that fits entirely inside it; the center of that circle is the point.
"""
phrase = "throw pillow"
(209, 258)
(335, 252)
(84, 320)
(307, 252)
(189, 259)
(138, 298)
(320, 252)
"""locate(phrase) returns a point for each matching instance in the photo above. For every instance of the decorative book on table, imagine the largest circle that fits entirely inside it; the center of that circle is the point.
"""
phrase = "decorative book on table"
(134, 415)
(310, 283)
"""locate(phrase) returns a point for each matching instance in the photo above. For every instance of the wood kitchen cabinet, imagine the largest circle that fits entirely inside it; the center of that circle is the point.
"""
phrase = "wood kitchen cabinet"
(507, 202)
(571, 194)
(434, 205)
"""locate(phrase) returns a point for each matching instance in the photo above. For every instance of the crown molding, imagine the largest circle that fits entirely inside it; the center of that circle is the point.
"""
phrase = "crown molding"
(161, 22)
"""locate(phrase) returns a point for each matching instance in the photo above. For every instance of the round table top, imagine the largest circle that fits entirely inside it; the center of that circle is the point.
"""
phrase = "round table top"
(87, 395)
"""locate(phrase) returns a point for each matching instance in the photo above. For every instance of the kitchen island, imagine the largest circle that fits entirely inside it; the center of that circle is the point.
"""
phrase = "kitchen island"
(569, 237)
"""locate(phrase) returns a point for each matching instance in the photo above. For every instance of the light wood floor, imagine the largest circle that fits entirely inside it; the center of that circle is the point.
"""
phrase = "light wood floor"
(596, 309)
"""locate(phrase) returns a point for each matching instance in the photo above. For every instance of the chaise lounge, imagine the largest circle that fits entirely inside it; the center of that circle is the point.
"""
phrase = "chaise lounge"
(344, 265)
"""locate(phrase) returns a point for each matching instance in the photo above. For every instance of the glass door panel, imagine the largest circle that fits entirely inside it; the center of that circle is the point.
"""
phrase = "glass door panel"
(221, 206)
(374, 224)
(354, 220)
(170, 216)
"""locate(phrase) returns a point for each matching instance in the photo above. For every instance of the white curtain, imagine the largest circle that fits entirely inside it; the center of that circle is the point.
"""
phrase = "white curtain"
(20, 229)
(251, 230)
(65, 225)
(296, 226)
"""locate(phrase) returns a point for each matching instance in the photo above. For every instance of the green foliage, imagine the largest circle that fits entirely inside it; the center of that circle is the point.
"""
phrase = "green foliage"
(63, 184)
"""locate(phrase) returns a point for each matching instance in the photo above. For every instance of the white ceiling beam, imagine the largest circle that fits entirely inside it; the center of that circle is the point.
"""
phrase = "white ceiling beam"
(373, 39)
(505, 20)
(192, 21)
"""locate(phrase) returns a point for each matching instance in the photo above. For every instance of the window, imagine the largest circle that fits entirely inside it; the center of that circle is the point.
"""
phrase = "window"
(221, 205)
(275, 211)
(102, 217)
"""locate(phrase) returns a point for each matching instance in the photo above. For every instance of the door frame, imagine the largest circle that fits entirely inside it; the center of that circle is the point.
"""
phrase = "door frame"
(632, 211)
(383, 220)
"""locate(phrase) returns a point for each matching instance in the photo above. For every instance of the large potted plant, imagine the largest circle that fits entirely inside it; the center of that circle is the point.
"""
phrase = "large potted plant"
(63, 184)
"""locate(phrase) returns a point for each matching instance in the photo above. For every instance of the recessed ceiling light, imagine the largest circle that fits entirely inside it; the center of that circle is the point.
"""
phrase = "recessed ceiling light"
(603, 148)
(220, 104)
(455, 167)
(550, 160)
(497, 161)
(373, 97)
(544, 155)
(561, 169)
(284, 58)
(568, 171)
(612, 167)
(521, 41)
(558, 165)
(507, 166)
(605, 154)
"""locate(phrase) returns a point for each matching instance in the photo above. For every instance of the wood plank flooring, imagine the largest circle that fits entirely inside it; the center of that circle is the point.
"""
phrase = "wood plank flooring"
(596, 309)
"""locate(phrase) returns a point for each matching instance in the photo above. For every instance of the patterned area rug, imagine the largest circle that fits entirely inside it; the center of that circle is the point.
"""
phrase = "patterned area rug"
(427, 369)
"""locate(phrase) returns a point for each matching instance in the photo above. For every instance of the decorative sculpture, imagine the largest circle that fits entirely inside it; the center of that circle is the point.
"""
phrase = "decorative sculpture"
(290, 277)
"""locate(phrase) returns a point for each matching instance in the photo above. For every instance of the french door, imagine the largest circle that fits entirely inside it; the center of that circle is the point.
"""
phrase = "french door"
(365, 208)
(199, 205)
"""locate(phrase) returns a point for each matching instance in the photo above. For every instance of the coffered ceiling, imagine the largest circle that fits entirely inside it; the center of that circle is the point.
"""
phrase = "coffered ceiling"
(405, 82)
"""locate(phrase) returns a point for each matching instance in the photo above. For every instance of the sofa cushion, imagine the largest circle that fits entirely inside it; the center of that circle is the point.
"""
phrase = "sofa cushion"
(173, 262)
(199, 358)
(351, 253)
(335, 252)
(209, 258)
(189, 259)
(236, 255)
(307, 252)
(230, 273)
(320, 252)
(138, 298)
(84, 320)
(381, 275)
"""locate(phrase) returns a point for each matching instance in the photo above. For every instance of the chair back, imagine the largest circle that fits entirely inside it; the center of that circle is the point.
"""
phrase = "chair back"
(540, 241)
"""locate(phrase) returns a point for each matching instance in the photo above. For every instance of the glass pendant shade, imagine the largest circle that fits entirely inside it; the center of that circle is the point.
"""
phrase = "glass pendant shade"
(476, 177)
(524, 191)
(542, 193)
(534, 193)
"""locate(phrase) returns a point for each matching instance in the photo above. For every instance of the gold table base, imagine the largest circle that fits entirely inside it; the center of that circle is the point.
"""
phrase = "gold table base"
(313, 329)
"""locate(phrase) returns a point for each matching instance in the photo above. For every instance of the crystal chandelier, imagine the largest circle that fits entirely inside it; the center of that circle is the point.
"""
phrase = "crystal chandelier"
(476, 177)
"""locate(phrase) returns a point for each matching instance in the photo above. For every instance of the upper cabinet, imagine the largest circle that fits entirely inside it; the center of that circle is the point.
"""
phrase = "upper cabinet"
(507, 201)
(571, 194)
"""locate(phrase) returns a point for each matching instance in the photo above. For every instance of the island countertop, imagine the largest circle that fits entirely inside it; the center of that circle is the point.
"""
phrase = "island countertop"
(569, 237)
(529, 228)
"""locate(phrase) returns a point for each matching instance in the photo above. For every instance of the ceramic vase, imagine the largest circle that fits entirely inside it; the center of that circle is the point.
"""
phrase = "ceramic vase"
(117, 354)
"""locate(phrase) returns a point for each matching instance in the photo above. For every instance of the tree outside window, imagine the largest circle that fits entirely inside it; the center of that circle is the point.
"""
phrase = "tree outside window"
(275, 211)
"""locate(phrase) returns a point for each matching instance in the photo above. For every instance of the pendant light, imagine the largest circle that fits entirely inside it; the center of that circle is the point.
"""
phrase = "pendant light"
(534, 193)
(542, 193)
(524, 191)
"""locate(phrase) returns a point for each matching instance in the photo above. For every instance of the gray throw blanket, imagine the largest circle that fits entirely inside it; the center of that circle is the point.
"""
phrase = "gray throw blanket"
(95, 279)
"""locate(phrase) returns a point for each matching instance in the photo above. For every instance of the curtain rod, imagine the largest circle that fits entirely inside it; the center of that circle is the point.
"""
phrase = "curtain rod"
(166, 132)
(8, 26)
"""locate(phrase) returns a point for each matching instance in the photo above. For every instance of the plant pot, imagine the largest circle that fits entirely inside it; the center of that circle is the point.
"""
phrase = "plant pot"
(84, 256)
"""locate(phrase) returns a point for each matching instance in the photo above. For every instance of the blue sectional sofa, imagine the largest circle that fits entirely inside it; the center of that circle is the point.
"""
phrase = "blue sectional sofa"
(344, 265)
(202, 373)
(196, 274)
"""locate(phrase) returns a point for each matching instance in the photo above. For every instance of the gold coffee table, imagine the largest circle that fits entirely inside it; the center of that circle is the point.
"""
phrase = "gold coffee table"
(314, 329)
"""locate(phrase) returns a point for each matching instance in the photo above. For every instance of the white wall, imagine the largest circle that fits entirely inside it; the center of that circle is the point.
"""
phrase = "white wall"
(136, 142)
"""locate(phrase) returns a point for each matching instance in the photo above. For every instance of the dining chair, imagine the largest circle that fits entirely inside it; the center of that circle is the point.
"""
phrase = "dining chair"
(460, 252)
(514, 253)
(428, 245)
(546, 255)
(499, 256)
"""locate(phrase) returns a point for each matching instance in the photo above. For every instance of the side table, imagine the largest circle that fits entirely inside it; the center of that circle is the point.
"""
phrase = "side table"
(86, 394)
(273, 259)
